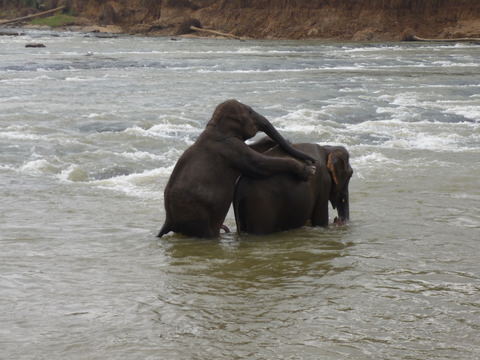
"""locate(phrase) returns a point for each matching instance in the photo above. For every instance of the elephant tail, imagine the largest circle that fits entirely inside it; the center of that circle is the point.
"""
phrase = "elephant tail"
(236, 202)
(165, 229)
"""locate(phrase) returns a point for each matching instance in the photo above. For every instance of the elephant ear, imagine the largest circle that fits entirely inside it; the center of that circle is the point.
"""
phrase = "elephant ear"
(338, 168)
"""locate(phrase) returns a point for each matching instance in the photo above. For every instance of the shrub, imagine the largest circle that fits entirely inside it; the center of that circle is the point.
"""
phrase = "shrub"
(55, 20)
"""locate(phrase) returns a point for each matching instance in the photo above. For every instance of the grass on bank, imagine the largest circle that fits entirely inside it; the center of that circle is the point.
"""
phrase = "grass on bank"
(55, 20)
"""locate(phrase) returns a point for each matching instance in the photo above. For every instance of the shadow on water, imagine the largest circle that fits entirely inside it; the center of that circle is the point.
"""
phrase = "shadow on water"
(249, 261)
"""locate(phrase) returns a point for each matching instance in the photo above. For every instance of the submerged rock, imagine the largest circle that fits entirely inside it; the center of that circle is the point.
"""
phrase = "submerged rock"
(10, 33)
(35, 45)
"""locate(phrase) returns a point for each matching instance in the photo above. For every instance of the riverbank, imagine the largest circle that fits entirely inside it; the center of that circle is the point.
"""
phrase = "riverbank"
(372, 20)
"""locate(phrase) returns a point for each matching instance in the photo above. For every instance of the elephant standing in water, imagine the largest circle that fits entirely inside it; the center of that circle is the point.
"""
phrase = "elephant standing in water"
(200, 189)
(281, 202)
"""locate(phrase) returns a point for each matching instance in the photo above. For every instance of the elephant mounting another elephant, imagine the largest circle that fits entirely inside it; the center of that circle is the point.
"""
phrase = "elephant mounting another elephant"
(202, 184)
(281, 202)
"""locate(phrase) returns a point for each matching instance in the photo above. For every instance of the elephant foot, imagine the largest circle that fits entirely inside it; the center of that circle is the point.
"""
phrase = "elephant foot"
(339, 222)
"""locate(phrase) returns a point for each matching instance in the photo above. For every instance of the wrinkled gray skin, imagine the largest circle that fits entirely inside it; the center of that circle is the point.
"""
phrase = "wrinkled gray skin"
(200, 189)
(282, 202)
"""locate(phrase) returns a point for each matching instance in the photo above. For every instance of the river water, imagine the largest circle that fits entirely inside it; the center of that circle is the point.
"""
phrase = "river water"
(90, 129)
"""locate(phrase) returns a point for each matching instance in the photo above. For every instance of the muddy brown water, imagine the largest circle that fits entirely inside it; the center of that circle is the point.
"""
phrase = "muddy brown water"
(90, 130)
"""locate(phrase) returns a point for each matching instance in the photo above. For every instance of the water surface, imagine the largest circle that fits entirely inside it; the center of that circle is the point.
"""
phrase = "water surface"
(90, 130)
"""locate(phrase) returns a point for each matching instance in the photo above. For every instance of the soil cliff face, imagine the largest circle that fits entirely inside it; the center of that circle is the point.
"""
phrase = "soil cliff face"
(295, 19)
(346, 19)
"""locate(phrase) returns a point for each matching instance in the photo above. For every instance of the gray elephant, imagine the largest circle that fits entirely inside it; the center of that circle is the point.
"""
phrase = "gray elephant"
(201, 186)
(282, 202)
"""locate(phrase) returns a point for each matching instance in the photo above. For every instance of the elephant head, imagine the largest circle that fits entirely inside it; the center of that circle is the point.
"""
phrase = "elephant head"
(234, 119)
(340, 170)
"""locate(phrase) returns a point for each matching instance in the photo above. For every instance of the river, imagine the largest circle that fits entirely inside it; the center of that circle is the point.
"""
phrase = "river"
(90, 129)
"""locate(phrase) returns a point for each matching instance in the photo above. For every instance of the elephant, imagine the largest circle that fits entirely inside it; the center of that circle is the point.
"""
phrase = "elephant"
(281, 202)
(200, 189)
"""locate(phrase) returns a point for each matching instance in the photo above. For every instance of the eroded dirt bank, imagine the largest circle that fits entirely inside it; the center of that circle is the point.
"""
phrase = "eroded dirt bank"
(294, 19)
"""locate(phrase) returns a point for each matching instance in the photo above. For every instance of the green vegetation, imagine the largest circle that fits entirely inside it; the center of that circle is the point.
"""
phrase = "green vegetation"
(55, 20)
(30, 3)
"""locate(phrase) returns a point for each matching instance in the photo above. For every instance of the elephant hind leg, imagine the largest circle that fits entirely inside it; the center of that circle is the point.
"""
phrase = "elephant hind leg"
(197, 228)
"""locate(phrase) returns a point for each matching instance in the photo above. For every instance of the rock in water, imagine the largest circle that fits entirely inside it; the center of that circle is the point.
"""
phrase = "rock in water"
(35, 45)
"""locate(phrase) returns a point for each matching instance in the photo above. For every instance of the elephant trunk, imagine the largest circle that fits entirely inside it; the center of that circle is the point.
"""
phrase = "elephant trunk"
(265, 126)
(343, 208)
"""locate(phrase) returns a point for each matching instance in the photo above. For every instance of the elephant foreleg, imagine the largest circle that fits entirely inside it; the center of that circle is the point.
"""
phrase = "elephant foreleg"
(320, 214)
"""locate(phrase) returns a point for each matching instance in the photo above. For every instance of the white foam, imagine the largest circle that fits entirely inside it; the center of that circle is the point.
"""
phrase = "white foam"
(165, 130)
(404, 103)
(259, 71)
(309, 117)
(449, 64)
(37, 167)
(144, 155)
(10, 99)
(353, 90)
(304, 121)
(465, 45)
(416, 135)
(468, 111)
(371, 159)
(405, 99)
(6, 167)
(102, 115)
(470, 222)
(468, 196)
(399, 114)
(17, 135)
(442, 142)
(72, 174)
(371, 49)
(322, 124)
(402, 127)
(144, 185)
(91, 115)
(29, 79)
(81, 79)
(255, 50)
(145, 52)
